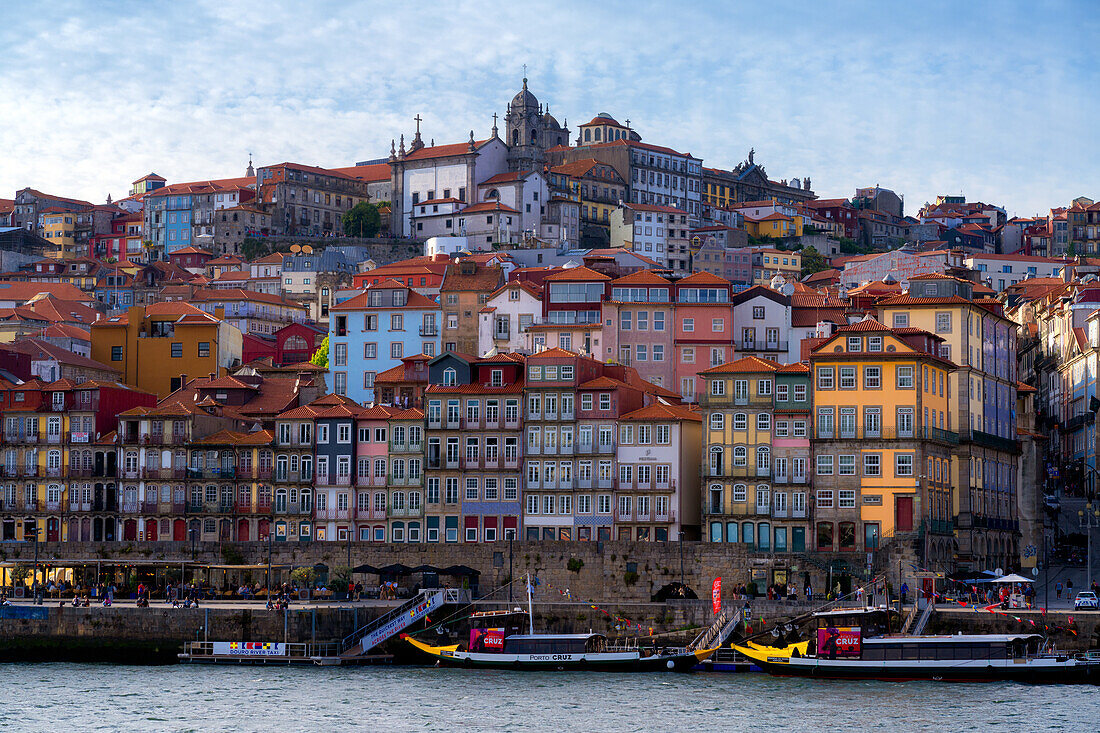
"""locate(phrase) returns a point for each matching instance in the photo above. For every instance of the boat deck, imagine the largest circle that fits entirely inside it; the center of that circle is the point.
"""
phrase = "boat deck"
(316, 654)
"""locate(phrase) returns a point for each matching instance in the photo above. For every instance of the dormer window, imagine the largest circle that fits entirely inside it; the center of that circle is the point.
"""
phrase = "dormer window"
(450, 377)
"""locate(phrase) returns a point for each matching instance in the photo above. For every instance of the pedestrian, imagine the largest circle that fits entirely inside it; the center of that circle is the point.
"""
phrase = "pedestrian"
(358, 591)
(1069, 588)
(904, 593)
(809, 592)
(1058, 588)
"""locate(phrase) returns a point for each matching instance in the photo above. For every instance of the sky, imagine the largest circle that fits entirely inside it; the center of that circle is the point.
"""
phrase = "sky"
(999, 101)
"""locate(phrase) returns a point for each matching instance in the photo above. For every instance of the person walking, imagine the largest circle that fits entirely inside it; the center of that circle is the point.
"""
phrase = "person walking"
(1058, 589)
(904, 593)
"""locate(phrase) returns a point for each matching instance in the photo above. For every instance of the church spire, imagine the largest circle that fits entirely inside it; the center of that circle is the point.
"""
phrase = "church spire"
(250, 172)
(495, 125)
(417, 142)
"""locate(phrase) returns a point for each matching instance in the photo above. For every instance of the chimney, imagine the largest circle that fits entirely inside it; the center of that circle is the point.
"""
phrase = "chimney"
(219, 312)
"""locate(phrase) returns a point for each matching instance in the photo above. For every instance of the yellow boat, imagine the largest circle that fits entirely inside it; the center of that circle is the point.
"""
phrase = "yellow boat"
(774, 651)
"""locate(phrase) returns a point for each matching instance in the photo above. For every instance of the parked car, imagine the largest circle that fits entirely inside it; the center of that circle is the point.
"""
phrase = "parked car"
(1085, 599)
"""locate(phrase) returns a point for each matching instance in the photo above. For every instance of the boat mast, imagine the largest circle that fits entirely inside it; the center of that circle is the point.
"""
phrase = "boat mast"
(530, 609)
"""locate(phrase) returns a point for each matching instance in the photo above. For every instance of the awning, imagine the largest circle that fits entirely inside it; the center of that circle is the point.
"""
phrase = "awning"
(460, 570)
(1012, 579)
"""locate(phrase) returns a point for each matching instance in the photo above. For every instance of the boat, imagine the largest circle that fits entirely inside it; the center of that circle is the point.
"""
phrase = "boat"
(504, 647)
(859, 644)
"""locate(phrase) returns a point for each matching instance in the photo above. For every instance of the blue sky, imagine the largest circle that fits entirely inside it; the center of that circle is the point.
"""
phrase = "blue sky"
(998, 100)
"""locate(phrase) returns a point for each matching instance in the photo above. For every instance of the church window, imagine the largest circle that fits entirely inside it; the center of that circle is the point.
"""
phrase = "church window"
(587, 135)
(534, 136)
(515, 137)
(462, 193)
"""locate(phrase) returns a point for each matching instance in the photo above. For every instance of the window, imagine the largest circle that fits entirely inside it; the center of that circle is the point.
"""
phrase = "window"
(782, 393)
(943, 323)
(116, 353)
(872, 464)
(855, 343)
(903, 464)
(872, 377)
(874, 343)
(763, 421)
(846, 465)
(825, 499)
(901, 320)
(800, 391)
(782, 428)
(824, 422)
(904, 376)
(177, 351)
(846, 499)
(763, 387)
(717, 421)
(758, 312)
(717, 387)
(740, 421)
(847, 377)
(204, 349)
(825, 377)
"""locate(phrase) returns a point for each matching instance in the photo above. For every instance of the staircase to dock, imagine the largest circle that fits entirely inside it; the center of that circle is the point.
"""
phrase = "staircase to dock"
(717, 633)
(370, 635)
(925, 616)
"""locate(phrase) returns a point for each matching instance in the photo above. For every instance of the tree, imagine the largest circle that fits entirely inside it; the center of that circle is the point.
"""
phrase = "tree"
(362, 220)
(320, 357)
(812, 261)
(252, 248)
(303, 577)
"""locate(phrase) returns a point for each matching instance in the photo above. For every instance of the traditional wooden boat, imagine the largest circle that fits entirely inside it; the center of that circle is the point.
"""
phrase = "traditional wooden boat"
(856, 644)
(504, 647)
(561, 652)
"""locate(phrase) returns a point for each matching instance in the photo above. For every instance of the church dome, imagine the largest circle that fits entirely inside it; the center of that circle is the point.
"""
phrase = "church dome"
(549, 122)
(524, 99)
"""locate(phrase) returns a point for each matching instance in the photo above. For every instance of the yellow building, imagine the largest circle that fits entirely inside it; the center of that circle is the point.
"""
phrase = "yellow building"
(756, 453)
(976, 335)
(767, 263)
(882, 445)
(160, 346)
(59, 227)
(773, 225)
(597, 186)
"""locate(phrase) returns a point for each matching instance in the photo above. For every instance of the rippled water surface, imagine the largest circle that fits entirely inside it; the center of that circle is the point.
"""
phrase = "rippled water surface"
(76, 697)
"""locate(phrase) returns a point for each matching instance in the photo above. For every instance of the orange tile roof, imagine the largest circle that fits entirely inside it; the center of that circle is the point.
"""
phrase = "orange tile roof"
(703, 278)
(744, 365)
(372, 173)
(641, 277)
(444, 151)
(661, 411)
(576, 273)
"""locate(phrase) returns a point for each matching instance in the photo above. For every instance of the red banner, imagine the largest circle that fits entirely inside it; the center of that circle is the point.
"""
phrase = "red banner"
(487, 640)
(716, 595)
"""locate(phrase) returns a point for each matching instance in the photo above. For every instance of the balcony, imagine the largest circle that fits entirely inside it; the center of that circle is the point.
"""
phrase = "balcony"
(1078, 421)
(995, 442)
(430, 329)
(79, 506)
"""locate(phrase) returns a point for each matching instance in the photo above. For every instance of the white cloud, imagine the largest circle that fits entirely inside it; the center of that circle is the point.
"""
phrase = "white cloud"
(995, 101)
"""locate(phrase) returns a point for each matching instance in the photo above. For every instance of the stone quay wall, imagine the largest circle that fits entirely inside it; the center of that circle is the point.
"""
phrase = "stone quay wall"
(615, 571)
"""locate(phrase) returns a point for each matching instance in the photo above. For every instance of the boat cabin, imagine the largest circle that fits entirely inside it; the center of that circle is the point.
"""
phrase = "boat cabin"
(555, 644)
(951, 648)
(870, 621)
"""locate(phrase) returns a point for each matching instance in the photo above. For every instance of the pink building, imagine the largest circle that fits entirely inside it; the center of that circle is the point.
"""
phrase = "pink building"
(703, 330)
(372, 470)
(638, 328)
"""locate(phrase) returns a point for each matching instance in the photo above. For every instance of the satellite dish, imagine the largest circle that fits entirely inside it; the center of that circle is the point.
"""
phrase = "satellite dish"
(307, 249)
(295, 248)
(1035, 572)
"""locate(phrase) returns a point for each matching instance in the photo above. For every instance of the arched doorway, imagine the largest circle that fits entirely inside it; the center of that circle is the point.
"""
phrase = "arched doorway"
(129, 530)
(53, 529)
(242, 530)
(179, 530)
(151, 530)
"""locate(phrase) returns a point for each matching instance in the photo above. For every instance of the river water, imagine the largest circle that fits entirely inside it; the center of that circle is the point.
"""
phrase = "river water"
(82, 697)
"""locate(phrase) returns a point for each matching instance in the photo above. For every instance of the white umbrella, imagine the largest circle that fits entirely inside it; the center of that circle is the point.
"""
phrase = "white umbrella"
(1013, 579)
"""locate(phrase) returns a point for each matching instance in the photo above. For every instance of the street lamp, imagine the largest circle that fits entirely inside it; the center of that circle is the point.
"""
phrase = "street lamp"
(34, 582)
(1089, 518)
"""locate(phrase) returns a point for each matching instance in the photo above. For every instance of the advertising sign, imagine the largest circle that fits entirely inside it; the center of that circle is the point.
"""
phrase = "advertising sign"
(250, 648)
(716, 595)
(487, 640)
(839, 642)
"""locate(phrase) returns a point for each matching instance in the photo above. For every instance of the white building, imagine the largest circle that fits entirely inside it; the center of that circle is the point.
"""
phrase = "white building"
(762, 323)
(648, 229)
(506, 316)
(433, 172)
(1000, 271)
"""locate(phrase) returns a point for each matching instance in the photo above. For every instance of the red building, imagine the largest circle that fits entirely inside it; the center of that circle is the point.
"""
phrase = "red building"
(296, 342)
(190, 258)
(838, 210)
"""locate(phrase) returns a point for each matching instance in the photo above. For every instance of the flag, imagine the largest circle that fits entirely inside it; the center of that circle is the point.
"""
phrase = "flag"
(716, 595)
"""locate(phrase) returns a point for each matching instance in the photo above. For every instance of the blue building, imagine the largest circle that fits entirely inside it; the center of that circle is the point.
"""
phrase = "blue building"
(373, 331)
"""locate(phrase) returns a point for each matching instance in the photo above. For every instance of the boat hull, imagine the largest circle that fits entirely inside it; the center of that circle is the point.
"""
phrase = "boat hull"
(625, 661)
(1043, 670)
